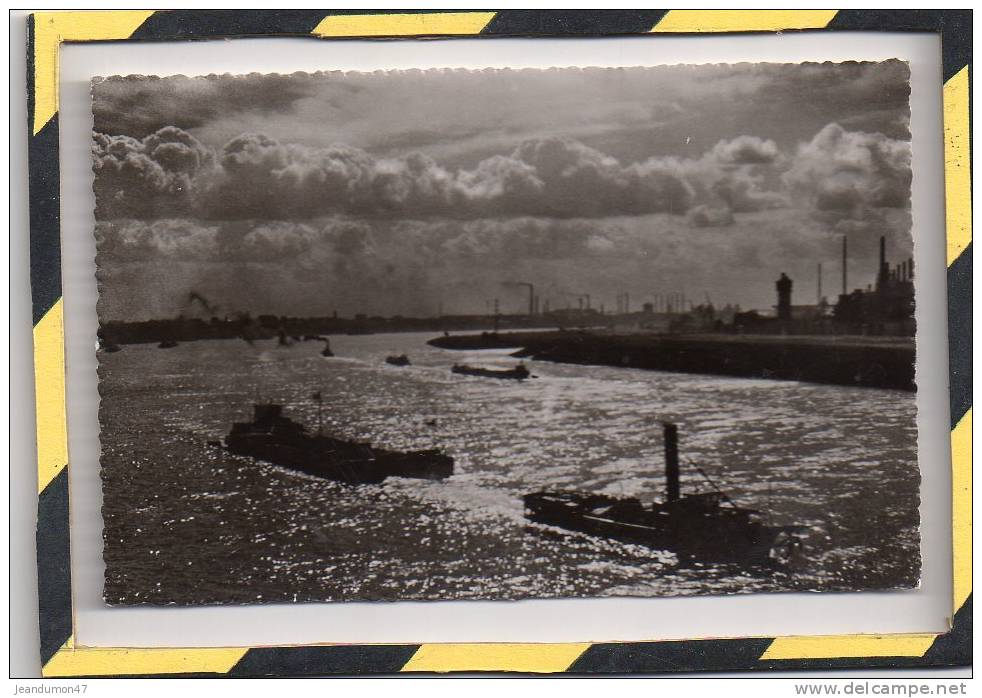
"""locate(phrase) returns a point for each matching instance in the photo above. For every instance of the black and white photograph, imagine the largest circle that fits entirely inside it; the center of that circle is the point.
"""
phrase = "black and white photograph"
(505, 334)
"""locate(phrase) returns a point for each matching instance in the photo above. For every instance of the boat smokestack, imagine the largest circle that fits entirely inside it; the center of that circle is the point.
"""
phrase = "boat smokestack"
(671, 462)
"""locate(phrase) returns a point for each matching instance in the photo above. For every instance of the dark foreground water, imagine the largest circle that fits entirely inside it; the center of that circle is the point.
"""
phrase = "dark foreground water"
(188, 523)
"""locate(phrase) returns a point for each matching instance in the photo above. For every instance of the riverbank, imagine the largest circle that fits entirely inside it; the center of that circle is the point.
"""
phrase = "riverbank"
(872, 362)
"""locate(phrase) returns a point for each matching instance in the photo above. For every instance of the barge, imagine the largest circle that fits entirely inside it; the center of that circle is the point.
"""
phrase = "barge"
(277, 439)
(520, 372)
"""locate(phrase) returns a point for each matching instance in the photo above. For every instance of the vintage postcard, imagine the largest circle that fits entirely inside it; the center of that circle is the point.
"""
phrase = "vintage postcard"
(506, 334)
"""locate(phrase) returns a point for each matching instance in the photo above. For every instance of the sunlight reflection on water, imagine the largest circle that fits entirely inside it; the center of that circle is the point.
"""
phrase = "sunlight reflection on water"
(188, 523)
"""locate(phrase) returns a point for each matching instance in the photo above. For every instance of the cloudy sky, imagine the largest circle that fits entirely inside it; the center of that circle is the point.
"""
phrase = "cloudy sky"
(396, 193)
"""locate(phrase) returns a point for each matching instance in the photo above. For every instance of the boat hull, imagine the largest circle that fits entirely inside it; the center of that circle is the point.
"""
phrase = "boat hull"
(505, 374)
(711, 537)
(341, 461)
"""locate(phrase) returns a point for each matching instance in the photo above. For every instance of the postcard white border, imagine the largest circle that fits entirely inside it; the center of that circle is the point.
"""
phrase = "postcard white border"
(923, 610)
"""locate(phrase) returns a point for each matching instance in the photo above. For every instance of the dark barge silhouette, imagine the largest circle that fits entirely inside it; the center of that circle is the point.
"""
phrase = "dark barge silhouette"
(705, 526)
(277, 439)
(520, 372)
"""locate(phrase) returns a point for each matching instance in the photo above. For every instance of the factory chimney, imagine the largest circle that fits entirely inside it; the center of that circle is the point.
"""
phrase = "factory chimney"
(883, 276)
(671, 462)
(845, 264)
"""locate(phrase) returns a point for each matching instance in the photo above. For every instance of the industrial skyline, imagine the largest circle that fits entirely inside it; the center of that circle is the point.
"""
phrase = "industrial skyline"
(436, 192)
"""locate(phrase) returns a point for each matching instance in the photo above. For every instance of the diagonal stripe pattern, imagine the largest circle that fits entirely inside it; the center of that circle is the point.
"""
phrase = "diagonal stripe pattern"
(716, 21)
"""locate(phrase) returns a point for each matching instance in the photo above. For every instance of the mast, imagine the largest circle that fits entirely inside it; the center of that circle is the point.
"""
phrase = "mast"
(671, 462)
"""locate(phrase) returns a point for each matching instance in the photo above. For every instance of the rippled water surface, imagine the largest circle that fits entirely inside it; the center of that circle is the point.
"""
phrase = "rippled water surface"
(187, 523)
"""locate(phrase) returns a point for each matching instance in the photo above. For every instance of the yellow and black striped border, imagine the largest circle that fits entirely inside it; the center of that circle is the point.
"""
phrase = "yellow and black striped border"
(61, 657)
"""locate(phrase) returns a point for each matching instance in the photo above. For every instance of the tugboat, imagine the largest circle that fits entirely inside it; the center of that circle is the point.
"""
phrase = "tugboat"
(517, 373)
(401, 360)
(705, 526)
(274, 438)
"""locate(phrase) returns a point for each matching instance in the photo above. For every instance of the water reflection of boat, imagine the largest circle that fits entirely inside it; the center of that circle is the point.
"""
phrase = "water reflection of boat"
(517, 373)
(705, 526)
(401, 360)
(277, 439)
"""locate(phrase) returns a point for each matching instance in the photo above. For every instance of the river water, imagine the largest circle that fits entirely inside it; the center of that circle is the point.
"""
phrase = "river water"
(187, 523)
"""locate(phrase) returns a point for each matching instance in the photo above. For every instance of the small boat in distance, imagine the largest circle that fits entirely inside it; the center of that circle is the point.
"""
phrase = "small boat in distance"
(277, 439)
(401, 360)
(326, 351)
(167, 344)
(517, 373)
(705, 526)
(105, 345)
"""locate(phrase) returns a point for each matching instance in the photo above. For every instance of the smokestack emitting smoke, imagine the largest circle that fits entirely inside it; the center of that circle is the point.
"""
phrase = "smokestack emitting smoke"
(194, 297)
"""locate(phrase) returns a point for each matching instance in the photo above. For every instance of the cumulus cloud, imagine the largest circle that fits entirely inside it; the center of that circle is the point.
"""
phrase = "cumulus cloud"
(608, 181)
(733, 177)
(743, 192)
(838, 175)
(703, 216)
(147, 178)
(746, 150)
(844, 172)
(170, 174)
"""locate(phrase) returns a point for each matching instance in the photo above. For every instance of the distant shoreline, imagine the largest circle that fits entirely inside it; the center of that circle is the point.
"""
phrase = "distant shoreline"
(849, 360)
(270, 326)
